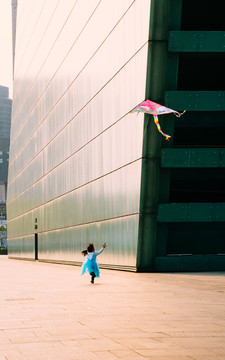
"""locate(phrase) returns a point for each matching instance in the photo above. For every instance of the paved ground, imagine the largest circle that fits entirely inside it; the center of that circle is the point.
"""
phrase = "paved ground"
(50, 312)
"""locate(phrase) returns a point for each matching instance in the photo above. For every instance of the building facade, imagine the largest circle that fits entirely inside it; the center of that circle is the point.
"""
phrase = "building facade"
(83, 168)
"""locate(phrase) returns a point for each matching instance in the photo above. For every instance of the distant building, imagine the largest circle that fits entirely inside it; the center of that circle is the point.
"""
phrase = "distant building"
(14, 13)
(3, 236)
(83, 168)
(5, 121)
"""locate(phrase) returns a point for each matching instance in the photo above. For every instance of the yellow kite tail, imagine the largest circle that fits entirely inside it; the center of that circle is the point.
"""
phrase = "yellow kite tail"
(156, 120)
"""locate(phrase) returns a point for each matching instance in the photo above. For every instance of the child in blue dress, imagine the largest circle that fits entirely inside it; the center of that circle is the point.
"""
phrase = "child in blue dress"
(90, 263)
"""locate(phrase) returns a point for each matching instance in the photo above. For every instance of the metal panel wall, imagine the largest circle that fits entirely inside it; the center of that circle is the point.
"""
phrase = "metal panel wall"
(75, 162)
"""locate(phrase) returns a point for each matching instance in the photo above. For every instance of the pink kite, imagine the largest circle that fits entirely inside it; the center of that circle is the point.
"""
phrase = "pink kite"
(155, 109)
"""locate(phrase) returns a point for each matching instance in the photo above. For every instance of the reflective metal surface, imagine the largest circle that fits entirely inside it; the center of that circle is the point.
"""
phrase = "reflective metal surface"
(75, 156)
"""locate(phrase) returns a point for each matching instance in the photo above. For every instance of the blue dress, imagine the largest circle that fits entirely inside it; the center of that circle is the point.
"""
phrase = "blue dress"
(90, 263)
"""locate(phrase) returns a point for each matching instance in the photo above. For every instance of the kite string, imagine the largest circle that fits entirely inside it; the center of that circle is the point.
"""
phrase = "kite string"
(156, 120)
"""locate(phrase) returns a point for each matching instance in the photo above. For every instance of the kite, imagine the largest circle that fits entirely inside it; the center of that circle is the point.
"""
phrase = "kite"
(150, 107)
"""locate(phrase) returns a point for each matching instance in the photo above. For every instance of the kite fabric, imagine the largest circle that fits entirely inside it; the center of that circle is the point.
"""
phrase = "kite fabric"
(155, 109)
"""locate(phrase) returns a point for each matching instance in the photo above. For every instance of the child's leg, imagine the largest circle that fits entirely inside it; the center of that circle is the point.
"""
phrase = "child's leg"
(92, 277)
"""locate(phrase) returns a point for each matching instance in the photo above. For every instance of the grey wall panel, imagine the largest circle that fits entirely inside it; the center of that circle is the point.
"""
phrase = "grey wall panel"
(22, 225)
(22, 247)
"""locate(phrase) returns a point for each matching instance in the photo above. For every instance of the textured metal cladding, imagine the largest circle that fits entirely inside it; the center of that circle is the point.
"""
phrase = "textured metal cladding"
(76, 151)
(22, 247)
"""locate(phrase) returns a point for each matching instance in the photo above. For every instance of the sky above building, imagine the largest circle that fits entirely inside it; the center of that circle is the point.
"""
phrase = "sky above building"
(6, 45)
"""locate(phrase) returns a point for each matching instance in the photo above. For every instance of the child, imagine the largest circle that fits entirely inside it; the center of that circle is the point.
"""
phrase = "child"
(90, 262)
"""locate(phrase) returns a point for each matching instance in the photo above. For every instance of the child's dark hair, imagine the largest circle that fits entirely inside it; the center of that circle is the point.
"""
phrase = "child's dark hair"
(90, 248)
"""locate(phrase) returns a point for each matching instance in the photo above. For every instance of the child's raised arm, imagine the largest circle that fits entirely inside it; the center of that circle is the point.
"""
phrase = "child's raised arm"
(101, 250)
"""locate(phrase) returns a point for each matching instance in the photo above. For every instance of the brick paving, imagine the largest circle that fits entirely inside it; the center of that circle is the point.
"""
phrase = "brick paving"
(50, 312)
